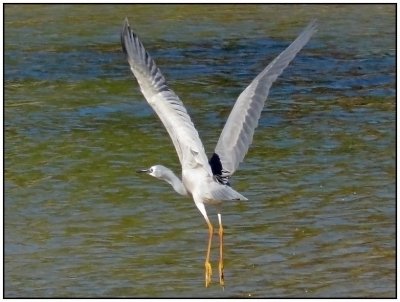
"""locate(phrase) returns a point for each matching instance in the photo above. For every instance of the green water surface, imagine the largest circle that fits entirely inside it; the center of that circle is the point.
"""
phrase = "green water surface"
(320, 176)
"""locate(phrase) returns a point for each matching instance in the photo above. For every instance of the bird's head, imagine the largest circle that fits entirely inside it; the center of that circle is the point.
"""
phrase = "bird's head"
(156, 171)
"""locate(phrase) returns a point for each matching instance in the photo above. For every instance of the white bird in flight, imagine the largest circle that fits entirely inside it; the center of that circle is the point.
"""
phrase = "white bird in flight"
(206, 180)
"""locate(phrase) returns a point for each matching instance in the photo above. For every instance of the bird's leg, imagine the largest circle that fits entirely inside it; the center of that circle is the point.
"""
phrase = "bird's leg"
(207, 263)
(221, 244)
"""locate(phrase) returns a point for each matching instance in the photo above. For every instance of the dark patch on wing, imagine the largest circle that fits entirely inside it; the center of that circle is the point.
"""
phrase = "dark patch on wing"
(215, 164)
(217, 170)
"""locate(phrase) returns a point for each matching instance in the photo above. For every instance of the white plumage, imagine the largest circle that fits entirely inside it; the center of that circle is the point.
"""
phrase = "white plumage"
(205, 180)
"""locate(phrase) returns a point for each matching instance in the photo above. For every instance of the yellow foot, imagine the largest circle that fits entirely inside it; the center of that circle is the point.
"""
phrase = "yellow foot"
(208, 273)
(221, 274)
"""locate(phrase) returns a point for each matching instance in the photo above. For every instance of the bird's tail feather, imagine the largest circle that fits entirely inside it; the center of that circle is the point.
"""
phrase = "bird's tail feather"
(225, 193)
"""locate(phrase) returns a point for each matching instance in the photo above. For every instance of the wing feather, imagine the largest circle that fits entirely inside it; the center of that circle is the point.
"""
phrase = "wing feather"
(238, 131)
(164, 102)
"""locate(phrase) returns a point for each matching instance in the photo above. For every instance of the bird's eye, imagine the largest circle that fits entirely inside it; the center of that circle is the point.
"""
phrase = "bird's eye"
(151, 170)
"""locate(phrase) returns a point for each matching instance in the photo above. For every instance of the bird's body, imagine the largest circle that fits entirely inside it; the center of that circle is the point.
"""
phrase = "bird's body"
(205, 180)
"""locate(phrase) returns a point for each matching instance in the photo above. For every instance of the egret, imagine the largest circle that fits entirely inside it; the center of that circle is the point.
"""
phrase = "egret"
(205, 180)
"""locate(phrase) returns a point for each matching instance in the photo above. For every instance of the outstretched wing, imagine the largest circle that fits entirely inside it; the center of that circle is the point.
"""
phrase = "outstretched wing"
(237, 134)
(164, 102)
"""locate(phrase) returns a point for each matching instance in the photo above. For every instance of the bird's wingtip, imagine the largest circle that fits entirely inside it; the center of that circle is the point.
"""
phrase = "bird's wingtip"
(126, 24)
(125, 33)
(313, 24)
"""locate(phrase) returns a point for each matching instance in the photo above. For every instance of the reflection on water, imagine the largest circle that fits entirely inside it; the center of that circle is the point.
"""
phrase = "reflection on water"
(320, 176)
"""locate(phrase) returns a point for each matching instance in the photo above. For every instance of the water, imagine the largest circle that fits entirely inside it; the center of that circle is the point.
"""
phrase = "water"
(320, 175)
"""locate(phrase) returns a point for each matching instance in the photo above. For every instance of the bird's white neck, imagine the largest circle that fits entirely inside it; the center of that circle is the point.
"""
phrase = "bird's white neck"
(175, 182)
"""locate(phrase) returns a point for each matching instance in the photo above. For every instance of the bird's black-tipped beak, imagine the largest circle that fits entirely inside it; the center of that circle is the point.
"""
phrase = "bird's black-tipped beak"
(142, 171)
